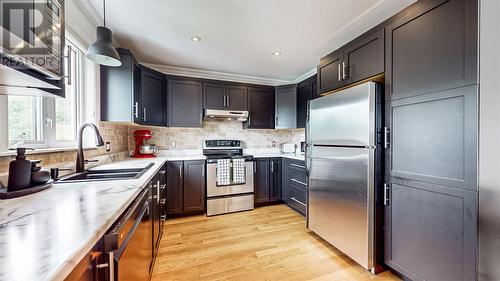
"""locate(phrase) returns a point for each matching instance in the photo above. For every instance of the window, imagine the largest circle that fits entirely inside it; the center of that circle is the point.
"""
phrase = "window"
(48, 122)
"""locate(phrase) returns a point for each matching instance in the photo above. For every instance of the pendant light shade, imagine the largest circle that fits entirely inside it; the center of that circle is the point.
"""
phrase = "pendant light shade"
(102, 51)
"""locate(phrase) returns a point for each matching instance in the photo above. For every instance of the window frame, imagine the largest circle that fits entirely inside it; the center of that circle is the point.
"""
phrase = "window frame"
(86, 107)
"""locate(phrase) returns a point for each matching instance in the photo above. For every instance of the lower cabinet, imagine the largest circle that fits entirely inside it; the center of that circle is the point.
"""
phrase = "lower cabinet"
(294, 185)
(87, 269)
(267, 180)
(157, 202)
(185, 187)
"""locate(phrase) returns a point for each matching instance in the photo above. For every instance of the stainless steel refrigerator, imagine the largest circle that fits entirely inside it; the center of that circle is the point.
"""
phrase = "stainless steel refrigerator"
(344, 166)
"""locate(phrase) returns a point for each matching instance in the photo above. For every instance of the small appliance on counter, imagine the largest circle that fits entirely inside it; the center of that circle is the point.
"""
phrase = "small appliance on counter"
(25, 177)
(303, 146)
(288, 148)
(143, 149)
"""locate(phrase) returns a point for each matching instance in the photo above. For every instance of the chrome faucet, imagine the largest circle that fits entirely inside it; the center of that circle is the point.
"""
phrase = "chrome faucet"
(80, 160)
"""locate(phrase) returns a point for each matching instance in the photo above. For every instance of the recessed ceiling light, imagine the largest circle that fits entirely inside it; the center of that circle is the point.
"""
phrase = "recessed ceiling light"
(277, 53)
(195, 38)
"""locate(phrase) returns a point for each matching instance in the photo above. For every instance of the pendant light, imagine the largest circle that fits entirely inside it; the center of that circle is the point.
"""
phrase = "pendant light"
(102, 51)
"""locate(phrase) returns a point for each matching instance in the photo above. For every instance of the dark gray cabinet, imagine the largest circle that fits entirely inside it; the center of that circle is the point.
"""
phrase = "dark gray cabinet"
(360, 59)
(185, 187)
(194, 186)
(185, 102)
(121, 90)
(175, 197)
(294, 185)
(286, 107)
(275, 180)
(157, 202)
(306, 90)
(224, 97)
(267, 180)
(261, 180)
(153, 97)
(431, 163)
(432, 49)
(260, 108)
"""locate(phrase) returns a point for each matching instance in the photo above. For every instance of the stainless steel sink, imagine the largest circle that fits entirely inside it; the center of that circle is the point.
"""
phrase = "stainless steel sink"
(105, 175)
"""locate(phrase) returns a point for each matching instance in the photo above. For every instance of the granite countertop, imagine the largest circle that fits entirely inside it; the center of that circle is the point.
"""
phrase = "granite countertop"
(43, 236)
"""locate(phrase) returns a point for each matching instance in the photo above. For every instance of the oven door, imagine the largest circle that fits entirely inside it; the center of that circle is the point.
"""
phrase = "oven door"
(213, 190)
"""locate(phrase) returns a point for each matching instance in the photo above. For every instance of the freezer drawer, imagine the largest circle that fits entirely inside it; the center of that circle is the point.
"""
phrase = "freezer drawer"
(345, 118)
(224, 205)
(341, 199)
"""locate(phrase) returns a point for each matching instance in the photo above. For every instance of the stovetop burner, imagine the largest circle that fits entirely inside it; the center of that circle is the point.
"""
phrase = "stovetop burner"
(224, 149)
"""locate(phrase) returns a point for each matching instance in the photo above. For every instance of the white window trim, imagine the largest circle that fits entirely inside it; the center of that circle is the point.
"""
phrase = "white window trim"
(88, 110)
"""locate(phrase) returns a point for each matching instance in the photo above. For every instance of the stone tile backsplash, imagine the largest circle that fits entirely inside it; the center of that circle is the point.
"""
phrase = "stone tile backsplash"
(191, 138)
(121, 137)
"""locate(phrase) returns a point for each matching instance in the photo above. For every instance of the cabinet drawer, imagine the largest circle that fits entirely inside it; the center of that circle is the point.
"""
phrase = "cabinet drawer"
(298, 185)
(298, 173)
(298, 200)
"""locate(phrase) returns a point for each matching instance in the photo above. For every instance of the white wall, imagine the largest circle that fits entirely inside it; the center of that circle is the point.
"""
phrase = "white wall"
(489, 141)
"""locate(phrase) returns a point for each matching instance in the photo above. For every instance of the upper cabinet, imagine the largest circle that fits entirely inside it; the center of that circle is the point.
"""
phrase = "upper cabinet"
(185, 102)
(153, 97)
(224, 97)
(286, 107)
(431, 50)
(260, 108)
(306, 90)
(121, 90)
(360, 59)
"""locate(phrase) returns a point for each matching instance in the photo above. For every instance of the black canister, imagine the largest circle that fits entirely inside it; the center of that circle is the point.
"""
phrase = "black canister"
(19, 171)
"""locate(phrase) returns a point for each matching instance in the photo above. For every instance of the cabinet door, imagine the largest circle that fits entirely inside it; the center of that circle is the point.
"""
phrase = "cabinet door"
(236, 98)
(194, 186)
(304, 94)
(185, 99)
(261, 108)
(214, 96)
(174, 188)
(275, 180)
(314, 87)
(329, 74)
(286, 107)
(153, 95)
(364, 57)
(261, 180)
(432, 49)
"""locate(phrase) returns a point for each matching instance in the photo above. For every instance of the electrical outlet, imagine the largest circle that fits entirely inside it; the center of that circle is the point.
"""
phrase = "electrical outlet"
(173, 144)
(108, 146)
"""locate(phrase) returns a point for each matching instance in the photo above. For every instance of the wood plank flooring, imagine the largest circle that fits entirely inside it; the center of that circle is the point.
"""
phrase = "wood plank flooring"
(269, 243)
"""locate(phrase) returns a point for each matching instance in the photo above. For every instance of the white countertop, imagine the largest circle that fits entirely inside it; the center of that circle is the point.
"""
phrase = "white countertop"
(43, 236)
(273, 152)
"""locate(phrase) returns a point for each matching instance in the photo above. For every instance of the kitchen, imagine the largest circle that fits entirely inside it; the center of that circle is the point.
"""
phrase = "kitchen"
(259, 140)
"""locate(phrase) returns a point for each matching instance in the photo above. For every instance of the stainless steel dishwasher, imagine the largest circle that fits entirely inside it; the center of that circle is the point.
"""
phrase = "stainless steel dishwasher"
(129, 242)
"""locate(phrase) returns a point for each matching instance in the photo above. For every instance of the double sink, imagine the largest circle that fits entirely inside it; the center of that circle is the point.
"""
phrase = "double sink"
(106, 175)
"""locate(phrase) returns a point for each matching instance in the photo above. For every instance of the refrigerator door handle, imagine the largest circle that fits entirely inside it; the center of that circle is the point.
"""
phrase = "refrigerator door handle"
(387, 135)
(307, 132)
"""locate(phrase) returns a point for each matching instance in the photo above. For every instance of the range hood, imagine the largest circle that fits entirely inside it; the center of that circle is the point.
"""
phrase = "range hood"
(211, 114)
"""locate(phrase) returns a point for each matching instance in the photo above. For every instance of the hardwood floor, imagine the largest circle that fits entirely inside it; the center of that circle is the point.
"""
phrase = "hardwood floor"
(269, 243)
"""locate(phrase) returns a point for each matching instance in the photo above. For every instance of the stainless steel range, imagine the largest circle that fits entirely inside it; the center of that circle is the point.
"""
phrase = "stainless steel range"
(229, 177)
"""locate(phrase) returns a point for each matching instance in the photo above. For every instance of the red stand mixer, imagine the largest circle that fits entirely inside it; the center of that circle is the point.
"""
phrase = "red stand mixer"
(142, 148)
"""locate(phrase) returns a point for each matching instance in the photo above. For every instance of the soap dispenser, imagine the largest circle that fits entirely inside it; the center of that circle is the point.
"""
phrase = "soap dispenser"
(19, 171)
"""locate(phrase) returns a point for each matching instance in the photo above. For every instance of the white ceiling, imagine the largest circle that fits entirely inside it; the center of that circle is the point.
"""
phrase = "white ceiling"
(239, 36)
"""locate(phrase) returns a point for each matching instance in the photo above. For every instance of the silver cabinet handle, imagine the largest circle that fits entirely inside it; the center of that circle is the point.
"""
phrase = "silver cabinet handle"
(299, 182)
(387, 136)
(343, 71)
(254, 167)
(163, 186)
(163, 217)
(297, 166)
(162, 201)
(136, 110)
(144, 114)
(228, 101)
(386, 194)
(272, 167)
(224, 101)
(180, 173)
(297, 201)
(339, 72)
(158, 191)
(68, 67)
(110, 265)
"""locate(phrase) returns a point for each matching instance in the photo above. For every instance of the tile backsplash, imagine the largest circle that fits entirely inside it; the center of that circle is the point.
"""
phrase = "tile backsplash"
(121, 137)
(191, 138)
